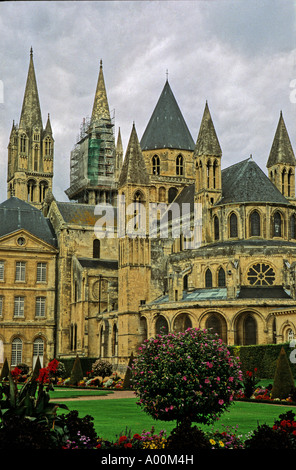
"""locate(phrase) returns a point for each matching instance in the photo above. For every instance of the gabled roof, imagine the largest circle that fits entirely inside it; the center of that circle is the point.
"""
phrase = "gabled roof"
(16, 214)
(207, 141)
(281, 150)
(31, 112)
(246, 182)
(167, 127)
(74, 213)
(133, 168)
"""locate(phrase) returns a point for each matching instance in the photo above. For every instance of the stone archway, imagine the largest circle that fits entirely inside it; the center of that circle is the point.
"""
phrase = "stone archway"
(182, 322)
(217, 324)
(246, 329)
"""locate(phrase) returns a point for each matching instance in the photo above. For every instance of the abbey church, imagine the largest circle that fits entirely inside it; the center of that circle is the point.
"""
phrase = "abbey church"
(68, 289)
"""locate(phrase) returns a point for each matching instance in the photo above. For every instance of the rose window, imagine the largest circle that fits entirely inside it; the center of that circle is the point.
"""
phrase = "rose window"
(261, 274)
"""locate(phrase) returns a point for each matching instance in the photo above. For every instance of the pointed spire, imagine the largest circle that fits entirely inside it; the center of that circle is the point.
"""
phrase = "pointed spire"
(100, 107)
(281, 149)
(134, 168)
(48, 129)
(31, 112)
(167, 127)
(207, 141)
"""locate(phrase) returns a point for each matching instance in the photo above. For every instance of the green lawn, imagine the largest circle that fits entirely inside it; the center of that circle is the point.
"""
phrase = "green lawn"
(115, 416)
(59, 393)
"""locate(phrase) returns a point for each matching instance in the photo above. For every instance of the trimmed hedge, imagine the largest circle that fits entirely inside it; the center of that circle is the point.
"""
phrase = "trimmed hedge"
(86, 364)
(262, 356)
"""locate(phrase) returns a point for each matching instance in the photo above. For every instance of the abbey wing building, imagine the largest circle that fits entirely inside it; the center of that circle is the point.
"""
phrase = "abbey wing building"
(68, 289)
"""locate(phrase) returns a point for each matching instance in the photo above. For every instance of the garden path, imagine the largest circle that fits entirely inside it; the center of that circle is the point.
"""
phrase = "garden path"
(115, 394)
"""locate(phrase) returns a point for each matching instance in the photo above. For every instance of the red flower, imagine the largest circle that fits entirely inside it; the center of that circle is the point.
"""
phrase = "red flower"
(43, 376)
(53, 365)
(137, 437)
(15, 372)
(122, 439)
(128, 445)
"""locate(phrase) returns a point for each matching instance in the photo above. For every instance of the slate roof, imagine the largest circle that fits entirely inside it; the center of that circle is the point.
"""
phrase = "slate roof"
(167, 127)
(281, 149)
(134, 168)
(272, 292)
(98, 263)
(80, 214)
(207, 141)
(246, 182)
(16, 214)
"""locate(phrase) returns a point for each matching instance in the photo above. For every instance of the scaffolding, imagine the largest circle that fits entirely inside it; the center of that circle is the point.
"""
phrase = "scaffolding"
(92, 161)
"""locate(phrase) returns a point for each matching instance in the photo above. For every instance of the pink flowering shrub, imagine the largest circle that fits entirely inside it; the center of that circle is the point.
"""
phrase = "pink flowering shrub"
(185, 376)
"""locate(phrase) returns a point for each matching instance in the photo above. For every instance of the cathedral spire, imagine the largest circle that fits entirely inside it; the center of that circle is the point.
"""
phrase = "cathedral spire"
(31, 112)
(134, 169)
(100, 107)
(281, 151)
(207, 141)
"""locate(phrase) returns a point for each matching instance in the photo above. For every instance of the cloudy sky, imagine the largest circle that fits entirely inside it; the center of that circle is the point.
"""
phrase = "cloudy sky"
(240, 55)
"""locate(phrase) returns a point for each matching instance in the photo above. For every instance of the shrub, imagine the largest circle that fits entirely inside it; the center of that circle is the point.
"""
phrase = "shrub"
(102, 368)
(76, 373)
(187, 438)
(250, 382)
(282, 435)
(81, 433)
(184, 376)
(283, 380)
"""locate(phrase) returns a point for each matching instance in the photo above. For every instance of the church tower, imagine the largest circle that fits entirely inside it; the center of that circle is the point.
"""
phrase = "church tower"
(281, 162)
(30, 149)
(134, 245)
(167, 147)
(93, 159)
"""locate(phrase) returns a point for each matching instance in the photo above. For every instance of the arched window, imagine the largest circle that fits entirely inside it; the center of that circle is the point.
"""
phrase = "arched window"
(155, 165)
(185, 282)
(43, 187)
(293, 226)
(16, 351)
(277, 225)
(161, 326)
(38, 351)
(180, 165)
(215, 174)
(250, 330)
(96, 248)
(233, 225)
(208, 278)
(35, 158)
(31, 185)
(283, 180)
(216, 228)
(48, 147)
(172, 194)
(290, 174)
(221, 278)
(213, 323)
(23, 143)
(208, 173)
(114, 340)
(255, 230)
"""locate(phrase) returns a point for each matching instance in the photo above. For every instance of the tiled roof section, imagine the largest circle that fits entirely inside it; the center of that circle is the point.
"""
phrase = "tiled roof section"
(281, 149)
(167, 127)
(81, 214)
(207, 141)
(91, 263)
(31, 112)
(16, 214)
(133, 168)
(272, 292)
(246, 182)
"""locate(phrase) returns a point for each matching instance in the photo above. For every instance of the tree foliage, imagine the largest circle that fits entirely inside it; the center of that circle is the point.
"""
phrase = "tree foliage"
(185, 376)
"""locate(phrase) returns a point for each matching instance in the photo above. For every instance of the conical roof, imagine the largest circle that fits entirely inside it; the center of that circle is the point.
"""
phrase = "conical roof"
(207, 141)
(133, 168)
(31, 112)
(167, 127)
(281, 149)
(100, 107)
(246, 182)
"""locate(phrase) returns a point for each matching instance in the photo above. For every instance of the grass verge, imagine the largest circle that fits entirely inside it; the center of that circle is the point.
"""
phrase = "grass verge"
(116, 416)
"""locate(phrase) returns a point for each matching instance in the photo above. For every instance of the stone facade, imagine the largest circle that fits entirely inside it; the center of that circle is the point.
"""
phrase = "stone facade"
(105, 294)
